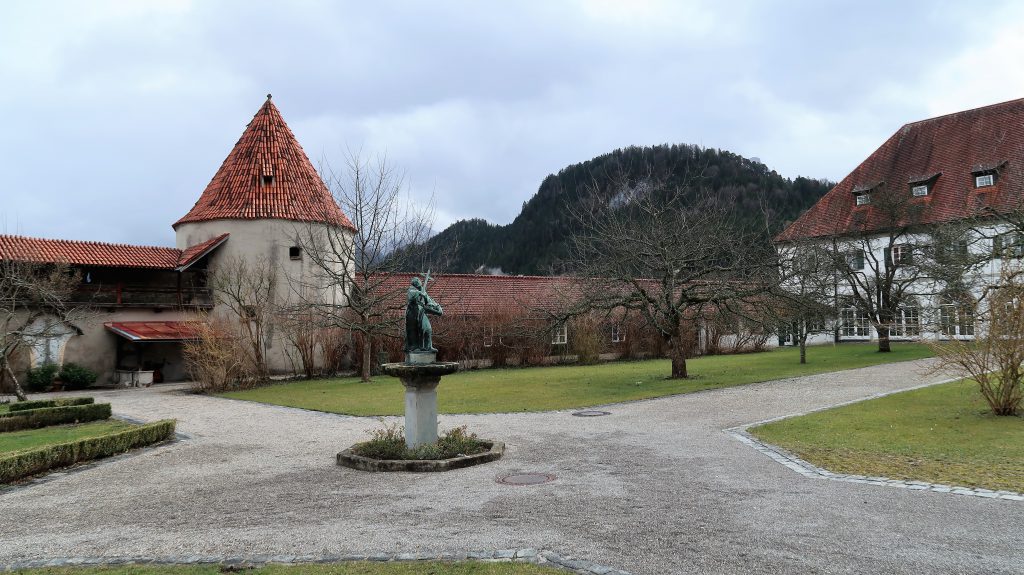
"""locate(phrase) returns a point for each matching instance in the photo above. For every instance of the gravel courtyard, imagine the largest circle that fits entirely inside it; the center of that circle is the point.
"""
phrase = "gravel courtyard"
(657, 487)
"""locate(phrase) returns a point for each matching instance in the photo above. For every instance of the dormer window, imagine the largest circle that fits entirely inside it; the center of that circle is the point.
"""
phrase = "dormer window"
(267, 180)
(986, 175)
(862, 193)
(919, 191)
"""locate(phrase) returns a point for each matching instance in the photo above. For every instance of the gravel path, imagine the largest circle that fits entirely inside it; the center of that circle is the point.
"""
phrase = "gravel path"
(657, 487)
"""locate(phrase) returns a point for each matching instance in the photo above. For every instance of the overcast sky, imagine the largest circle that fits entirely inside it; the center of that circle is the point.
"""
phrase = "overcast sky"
(117, 114)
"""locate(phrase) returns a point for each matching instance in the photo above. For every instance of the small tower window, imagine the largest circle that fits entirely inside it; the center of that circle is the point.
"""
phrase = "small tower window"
(984, 181)
(919, 191)
(295, 253)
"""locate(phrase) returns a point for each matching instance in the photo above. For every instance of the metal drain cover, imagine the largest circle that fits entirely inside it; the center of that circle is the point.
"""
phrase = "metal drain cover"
(526, 478)
(591, 413)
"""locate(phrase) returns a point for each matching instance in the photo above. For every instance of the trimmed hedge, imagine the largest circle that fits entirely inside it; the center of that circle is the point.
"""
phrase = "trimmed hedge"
(26, 463)
(22, 405)
(45, 416)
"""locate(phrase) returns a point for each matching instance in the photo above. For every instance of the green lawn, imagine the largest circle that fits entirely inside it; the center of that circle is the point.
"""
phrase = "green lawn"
(562, 387)
(941, 434)
(354, 568)
(27, 439)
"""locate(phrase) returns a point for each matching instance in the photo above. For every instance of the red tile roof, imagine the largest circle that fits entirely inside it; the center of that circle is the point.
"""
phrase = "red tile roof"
(21, 248)
(947, 148)
(155, 330)
(267, 175)
(475, 294)
(193, 254)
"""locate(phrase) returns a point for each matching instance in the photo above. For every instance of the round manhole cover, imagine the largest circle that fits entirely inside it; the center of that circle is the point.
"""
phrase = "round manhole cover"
(591, 413)
(526, 478)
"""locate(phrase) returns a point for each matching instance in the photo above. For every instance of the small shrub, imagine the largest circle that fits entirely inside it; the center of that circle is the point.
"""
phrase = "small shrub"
(64, 402)
(41, 378)
(25, 463)
(46, 416)
(75, 376)
(389, 443)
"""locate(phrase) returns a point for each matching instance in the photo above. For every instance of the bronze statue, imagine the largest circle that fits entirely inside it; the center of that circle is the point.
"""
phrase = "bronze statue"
(418, 333)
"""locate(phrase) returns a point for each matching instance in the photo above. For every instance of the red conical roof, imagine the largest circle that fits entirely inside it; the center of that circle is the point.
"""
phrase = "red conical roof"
(267, 175)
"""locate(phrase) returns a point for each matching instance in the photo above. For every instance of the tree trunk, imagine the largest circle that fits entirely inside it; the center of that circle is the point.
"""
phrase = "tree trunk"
(18, 391)
(364, 376)
(883, 340)
(803, 349)
(677, 349)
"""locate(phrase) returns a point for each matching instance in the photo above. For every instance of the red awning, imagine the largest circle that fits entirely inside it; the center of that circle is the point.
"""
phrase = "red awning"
(155, 330)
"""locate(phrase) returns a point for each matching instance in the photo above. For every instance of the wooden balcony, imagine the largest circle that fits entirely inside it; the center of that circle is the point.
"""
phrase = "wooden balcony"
(128, 295)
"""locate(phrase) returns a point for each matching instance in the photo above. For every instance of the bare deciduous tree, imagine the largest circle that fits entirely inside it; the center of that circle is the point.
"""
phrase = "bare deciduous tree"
(805, 303)
(350, 287)
(995, 358)
(672, 254)
(29, 290)
(891, 256)
(248, 289)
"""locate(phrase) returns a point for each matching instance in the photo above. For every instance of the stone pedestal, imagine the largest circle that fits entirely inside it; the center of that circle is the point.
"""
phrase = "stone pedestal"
(420, 410)
(420, 381)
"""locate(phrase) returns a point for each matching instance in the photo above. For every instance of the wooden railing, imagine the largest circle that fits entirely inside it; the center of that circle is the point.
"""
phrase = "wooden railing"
(141, 295)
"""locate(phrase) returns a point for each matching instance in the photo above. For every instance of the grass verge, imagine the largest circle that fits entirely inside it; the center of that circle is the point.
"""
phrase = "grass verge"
(941, 434)
(564, 387)
(353, 568)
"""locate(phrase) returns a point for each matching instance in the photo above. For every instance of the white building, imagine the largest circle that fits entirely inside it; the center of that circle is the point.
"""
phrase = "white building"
(937, 190)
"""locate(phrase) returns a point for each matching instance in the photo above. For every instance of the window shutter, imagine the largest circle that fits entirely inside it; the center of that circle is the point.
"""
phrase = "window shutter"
(997, 247)
(888, 257)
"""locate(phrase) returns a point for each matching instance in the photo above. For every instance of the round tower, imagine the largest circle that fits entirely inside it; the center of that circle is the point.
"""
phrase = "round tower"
(265, 196)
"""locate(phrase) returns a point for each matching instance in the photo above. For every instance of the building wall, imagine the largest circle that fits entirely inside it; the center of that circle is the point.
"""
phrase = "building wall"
(926, 293)
(96, 347)
(269, 239)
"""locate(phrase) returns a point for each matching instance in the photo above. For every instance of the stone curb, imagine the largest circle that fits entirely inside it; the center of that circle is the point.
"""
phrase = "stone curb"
(526, 555)
(808, 469)
(349, 459)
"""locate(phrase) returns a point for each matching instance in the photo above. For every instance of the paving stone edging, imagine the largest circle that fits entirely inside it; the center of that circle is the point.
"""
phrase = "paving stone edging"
(567, 563)
(808, 469)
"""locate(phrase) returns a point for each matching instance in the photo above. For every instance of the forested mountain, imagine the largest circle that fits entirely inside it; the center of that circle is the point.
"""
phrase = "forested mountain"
(536, 241)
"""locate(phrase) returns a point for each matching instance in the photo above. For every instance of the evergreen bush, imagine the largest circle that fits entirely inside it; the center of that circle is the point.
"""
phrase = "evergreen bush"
(75, 376)
(23, 405)
(25, 463)
(46, 416)
(41, 378)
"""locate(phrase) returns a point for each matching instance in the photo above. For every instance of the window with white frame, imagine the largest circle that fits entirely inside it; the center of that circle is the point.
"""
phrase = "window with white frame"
(854, 323)
(907, 322)
(956, 320)
(984, 180)
(919, 191)
(902, 254)
(561, 335)
(618, 335)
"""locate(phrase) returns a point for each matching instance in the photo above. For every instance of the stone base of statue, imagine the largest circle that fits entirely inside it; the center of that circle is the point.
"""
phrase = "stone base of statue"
(420, 381)
(420, 357)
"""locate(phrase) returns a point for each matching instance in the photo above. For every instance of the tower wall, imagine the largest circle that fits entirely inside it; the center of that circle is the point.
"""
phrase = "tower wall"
(267, 240)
